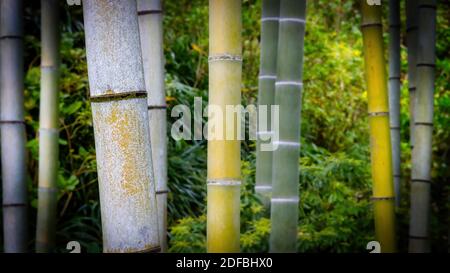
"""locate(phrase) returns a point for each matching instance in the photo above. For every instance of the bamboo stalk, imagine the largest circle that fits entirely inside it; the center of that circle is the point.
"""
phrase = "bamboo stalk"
(12, 127)
(151, 34)
(121, 130)
(423, 129)
(48, 131)
(288, 87)
(394, 92)
(224, 165)
(411, 40)
(266, 96)
(380, 142)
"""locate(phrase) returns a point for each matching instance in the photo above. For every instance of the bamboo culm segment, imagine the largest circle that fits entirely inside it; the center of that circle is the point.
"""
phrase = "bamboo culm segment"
(412, 42)
(288, 87)
(423, 130)
(48, 131)
(394, 92)
(12, 127)
(380, 142)
(151, 35)
(224, 164)
(266, 95)
(121, 130)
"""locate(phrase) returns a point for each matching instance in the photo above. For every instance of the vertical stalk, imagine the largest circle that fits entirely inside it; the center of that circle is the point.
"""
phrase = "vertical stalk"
(411, 40)
(12, 127)
(122, 135)
(380, 142)
(394, 91)
(288, 87)
(48, 131)
(224, 164)
(151, 34)
(419, 232)
(266, 96)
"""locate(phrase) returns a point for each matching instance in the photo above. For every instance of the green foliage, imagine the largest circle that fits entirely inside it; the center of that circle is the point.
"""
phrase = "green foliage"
(335, 184)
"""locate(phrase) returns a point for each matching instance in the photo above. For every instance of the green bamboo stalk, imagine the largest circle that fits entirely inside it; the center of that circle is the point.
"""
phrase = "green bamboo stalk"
(288, 87)
(12, 127)
(394, 92)
(266, 96)
(380, 140)
(423, 129)
(151, 34)
(121, 130)
(224, 164)
(411, 40)
(48, 131)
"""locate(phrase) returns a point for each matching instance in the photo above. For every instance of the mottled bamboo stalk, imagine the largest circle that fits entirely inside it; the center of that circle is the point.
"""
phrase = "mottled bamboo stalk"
(224, 164)
(394, 91)
(288, 88)
(266, 96)
(419, 231)
(411, 41)
(151, 33)
(48, 131)
(122, 135)
(12, 127)
(380, 142)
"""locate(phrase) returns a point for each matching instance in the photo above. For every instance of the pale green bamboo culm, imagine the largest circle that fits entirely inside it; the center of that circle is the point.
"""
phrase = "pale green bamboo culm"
(12, 127)
(121, 131)
(411, 41)
(48, 123)
(151, 33)
(419, 228)
(288, 87)
(394, 92)
(266, 96)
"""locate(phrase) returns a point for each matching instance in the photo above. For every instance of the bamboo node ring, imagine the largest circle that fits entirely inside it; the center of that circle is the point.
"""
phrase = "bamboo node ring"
(293, 83)
(270, 19)
(224, 182)
(376, 114)
(12, 122)
(287, 143)
(377, 198)
(150, 11)
(371, 25)
(293, 20)
(267, 77)
(426, 181)
(118, 96)
(151, 107)
(225, 57)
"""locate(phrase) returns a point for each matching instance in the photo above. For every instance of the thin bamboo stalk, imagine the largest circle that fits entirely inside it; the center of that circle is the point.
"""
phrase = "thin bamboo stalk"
(48, 131)
(224, 165)
(394, 92)
(411, 40)
(266, 96)
(151, 34)
(121, 130)
(12, 127)
(419, 231)
(380, 142)
(288, 88)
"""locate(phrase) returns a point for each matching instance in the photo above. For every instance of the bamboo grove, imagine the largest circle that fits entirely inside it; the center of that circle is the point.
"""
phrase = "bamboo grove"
(129, 98)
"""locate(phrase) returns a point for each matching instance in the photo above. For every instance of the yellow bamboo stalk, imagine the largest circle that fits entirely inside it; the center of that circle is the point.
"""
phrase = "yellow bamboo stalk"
(380, 142)
(224, 166)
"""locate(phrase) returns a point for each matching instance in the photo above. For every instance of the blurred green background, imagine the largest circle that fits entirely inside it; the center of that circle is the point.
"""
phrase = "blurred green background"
(335, 180)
